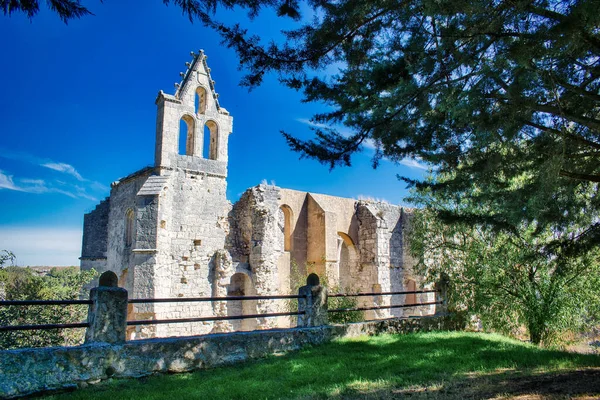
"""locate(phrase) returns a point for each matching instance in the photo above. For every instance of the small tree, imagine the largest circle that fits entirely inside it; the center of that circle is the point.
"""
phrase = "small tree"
(6, 256)
(508, 278)
(298, 279)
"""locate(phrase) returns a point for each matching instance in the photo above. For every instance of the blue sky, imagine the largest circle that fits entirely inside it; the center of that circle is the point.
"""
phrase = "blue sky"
(78, 113)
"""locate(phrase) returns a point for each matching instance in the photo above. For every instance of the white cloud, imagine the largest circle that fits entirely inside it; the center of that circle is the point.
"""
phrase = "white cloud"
(412, 163)
(44, 246)
(33, 181)
(368, 143)
(308, 122)
(6, 182)
(79, 189)
(372, 199)
(39, 186)
(63, 167)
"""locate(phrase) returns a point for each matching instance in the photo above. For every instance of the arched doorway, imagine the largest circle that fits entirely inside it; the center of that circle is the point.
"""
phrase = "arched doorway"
(240, 284)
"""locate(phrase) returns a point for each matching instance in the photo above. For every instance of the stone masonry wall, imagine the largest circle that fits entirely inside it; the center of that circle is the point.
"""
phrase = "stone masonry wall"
(193, 225)
(256, 240)
(95, 239)
(25, 371)
(123, 198)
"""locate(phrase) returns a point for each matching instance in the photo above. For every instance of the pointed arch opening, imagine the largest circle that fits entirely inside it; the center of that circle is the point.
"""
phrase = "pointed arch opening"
(287, 227)
(210, 142)
(200, 100)
(241, 285)
(186, 135)
(348, 259)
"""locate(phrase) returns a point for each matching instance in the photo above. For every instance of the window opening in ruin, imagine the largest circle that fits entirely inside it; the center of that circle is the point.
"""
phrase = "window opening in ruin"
(129, 227)
(241, 285)
(210, 142)
(287, 227)
(186, 136)
(347, 262)
(206, 142)
(411, 286)
(200, 100)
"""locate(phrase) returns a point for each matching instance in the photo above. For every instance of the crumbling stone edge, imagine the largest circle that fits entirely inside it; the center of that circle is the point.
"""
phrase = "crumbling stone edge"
(28, 371)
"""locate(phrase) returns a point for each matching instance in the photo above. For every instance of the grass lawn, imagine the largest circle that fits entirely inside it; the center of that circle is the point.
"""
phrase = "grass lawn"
(445, 365)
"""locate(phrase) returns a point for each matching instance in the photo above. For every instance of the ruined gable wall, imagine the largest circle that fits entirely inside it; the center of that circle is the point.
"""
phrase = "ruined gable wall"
(258, 240)
(95, 240)
(389, 251)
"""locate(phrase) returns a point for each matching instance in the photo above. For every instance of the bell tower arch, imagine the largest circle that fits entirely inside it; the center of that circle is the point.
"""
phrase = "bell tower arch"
(196, 103)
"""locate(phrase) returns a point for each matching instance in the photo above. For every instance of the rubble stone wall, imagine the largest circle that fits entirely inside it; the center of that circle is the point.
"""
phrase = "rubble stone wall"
(25, 371)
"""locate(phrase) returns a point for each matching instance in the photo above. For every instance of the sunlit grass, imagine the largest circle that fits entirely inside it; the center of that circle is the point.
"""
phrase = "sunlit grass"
(351, 368)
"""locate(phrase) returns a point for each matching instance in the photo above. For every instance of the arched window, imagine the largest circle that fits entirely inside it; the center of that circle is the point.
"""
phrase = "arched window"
(186, 135)
(287, 227)
(129, 220)
(200, 100)
(348, 259)
(211, 132)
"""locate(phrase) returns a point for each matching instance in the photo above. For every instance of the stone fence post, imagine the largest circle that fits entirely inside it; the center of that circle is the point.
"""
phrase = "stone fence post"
(442, 295)
(313, 303)
(107, 315)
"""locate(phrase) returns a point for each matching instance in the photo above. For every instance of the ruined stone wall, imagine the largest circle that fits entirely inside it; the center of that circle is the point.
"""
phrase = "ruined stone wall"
(297, 202)
(257, 244)
(189, 241)
(390, 272)
(95, 239)
(192, 226)
(408, 264)
(123, 198)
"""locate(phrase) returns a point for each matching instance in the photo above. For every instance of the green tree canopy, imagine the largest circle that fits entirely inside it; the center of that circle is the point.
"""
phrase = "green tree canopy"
(506, 278)
(501, 94)
(19, 283)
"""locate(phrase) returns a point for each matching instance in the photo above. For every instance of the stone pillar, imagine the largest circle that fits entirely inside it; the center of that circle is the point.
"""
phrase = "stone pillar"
(314, 303)
(442, 295)
(107, 314)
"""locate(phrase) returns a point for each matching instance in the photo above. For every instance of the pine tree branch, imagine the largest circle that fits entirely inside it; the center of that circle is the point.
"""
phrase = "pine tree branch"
(583, 177)
(577, 138)
(591, 123)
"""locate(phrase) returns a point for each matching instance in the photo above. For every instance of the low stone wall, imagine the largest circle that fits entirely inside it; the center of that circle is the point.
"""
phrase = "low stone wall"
(27, 371)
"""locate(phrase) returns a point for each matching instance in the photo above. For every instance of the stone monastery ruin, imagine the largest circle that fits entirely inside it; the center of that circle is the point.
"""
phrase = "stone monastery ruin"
(169, 231)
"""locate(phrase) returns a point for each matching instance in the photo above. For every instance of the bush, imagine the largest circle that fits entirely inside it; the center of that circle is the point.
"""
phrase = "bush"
(24, 284)
(298, 279)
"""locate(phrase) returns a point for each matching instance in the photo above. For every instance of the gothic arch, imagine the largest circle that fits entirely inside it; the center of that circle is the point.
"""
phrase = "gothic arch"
(211, 144)
(287, 227)
(240, 284)
(129, 226)
(348, 259)
(186, 139)
(200, 100)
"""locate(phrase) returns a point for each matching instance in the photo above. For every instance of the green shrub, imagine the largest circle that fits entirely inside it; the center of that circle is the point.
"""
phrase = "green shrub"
(24, 284)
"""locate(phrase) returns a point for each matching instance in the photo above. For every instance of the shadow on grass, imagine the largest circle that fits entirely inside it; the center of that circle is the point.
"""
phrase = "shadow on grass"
(372, 367)
(584, 384)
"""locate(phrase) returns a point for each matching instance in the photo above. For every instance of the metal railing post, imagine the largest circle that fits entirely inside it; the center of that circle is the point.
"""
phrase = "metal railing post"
(313, 302)
(107, 315)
